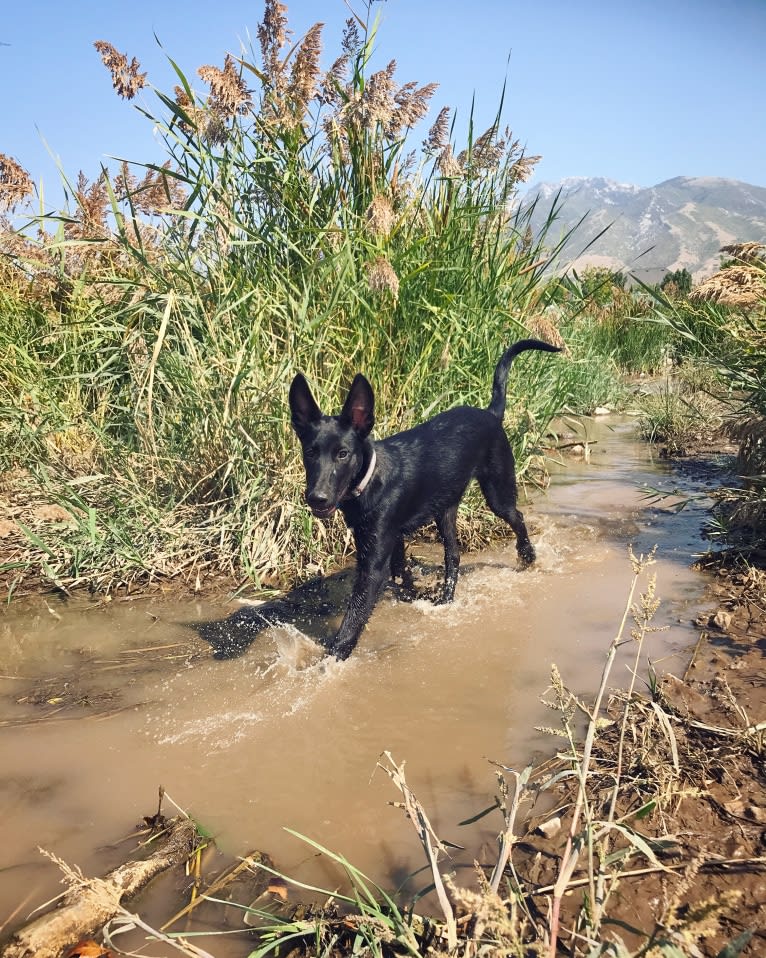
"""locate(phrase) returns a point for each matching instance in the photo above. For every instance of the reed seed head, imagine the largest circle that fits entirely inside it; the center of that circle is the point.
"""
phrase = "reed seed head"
(488, 150)
(272, 36)
(15, 183)
(380, 216)
(524, 167)
(381, 278)
(92, 203)
(334, 81)
(189, 107)
(438, 134)
(740, 285)
(159, 190)
(305, 72)
(229, 95)
(126, 79)
(375, 106)
(411, 105)
(351, 41)
(448, 164)
(746, 252)
(543, 328)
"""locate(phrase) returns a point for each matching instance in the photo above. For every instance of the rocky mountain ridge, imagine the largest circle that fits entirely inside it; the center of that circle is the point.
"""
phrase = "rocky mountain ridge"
(680, 223)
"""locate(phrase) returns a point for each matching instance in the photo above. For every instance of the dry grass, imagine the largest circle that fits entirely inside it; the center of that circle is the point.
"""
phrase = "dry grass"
(742, 284)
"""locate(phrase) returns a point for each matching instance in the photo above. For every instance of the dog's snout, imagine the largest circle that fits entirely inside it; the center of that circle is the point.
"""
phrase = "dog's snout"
(321, 505)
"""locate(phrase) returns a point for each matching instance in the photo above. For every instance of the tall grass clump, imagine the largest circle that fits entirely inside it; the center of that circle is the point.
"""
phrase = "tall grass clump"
(155, 324)
(723, 330)
(615, 321)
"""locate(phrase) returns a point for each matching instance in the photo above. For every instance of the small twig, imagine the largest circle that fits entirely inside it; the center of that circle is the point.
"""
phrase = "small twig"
(735, 863)
(700, 640)
(209, 893)
(642, 616)
(508, 838)
(429, 840)
(572, 849)
(130, 920)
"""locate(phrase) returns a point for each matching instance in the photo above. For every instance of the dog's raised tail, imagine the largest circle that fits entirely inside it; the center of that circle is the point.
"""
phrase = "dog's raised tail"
(500, 382)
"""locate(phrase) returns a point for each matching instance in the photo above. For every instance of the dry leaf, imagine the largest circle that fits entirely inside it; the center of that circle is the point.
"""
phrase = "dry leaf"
(88, 948)
(279, 889)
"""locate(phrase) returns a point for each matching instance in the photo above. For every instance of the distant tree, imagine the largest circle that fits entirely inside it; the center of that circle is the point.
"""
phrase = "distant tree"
(677, 283)
(599, 284)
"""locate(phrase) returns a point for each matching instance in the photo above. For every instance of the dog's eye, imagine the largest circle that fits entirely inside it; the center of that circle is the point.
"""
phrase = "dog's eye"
(312, 453)
(342, 454)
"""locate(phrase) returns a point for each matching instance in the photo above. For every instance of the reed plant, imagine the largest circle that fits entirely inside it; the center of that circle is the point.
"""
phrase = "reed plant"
(155, 324)
(616, 322)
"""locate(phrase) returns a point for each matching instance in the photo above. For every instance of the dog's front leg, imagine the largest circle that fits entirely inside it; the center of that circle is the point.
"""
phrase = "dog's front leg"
(373, 567)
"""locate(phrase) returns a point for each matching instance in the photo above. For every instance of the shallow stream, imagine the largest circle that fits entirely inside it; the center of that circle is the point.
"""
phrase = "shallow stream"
(280, 737)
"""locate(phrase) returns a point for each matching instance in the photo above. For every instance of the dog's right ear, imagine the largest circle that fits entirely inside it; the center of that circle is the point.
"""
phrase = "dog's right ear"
(302, 404)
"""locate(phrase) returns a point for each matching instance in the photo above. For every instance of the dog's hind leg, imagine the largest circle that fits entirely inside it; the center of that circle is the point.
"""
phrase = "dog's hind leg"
(446, 523)
(399, 568)
(498, 483)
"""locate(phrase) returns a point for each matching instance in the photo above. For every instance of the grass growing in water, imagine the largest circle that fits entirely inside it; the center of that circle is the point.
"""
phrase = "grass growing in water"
(722, 329)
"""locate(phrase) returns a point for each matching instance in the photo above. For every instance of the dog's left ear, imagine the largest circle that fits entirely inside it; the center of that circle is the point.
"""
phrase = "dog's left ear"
(359, 408)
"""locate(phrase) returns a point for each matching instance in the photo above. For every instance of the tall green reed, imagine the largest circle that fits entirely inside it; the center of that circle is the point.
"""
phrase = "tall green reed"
(292, 227)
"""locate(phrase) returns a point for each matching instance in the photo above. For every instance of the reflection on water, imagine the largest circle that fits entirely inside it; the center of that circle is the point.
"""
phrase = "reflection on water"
(280, 736)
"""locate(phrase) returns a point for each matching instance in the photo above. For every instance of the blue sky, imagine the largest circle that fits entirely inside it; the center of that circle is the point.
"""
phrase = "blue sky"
(635, 91)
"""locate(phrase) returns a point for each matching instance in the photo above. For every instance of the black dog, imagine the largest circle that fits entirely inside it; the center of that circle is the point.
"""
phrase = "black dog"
(388, 489)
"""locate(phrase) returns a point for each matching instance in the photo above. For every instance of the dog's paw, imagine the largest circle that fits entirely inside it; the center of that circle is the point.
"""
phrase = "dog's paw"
(527, 556)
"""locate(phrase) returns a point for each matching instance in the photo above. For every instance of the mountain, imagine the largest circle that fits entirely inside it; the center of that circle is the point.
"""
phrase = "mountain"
(681, 223)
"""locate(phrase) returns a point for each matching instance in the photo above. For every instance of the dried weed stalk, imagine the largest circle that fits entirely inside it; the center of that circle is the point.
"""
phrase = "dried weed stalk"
(430, 841)
(581, 839)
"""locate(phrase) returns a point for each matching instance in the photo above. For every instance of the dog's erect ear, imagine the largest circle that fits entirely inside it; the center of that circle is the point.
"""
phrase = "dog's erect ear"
(302, 404)
(359, 408)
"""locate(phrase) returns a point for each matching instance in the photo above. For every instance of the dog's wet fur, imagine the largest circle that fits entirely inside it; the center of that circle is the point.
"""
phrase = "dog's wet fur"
(388, 489)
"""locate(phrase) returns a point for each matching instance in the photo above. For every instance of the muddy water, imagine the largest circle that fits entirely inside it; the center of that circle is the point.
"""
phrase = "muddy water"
(279, 737)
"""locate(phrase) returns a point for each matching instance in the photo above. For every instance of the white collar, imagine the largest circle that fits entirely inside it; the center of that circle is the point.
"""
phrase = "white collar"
(366, 478)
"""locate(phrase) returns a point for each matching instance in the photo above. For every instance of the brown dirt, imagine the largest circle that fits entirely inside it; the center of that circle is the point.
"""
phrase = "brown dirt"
(714, 805)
